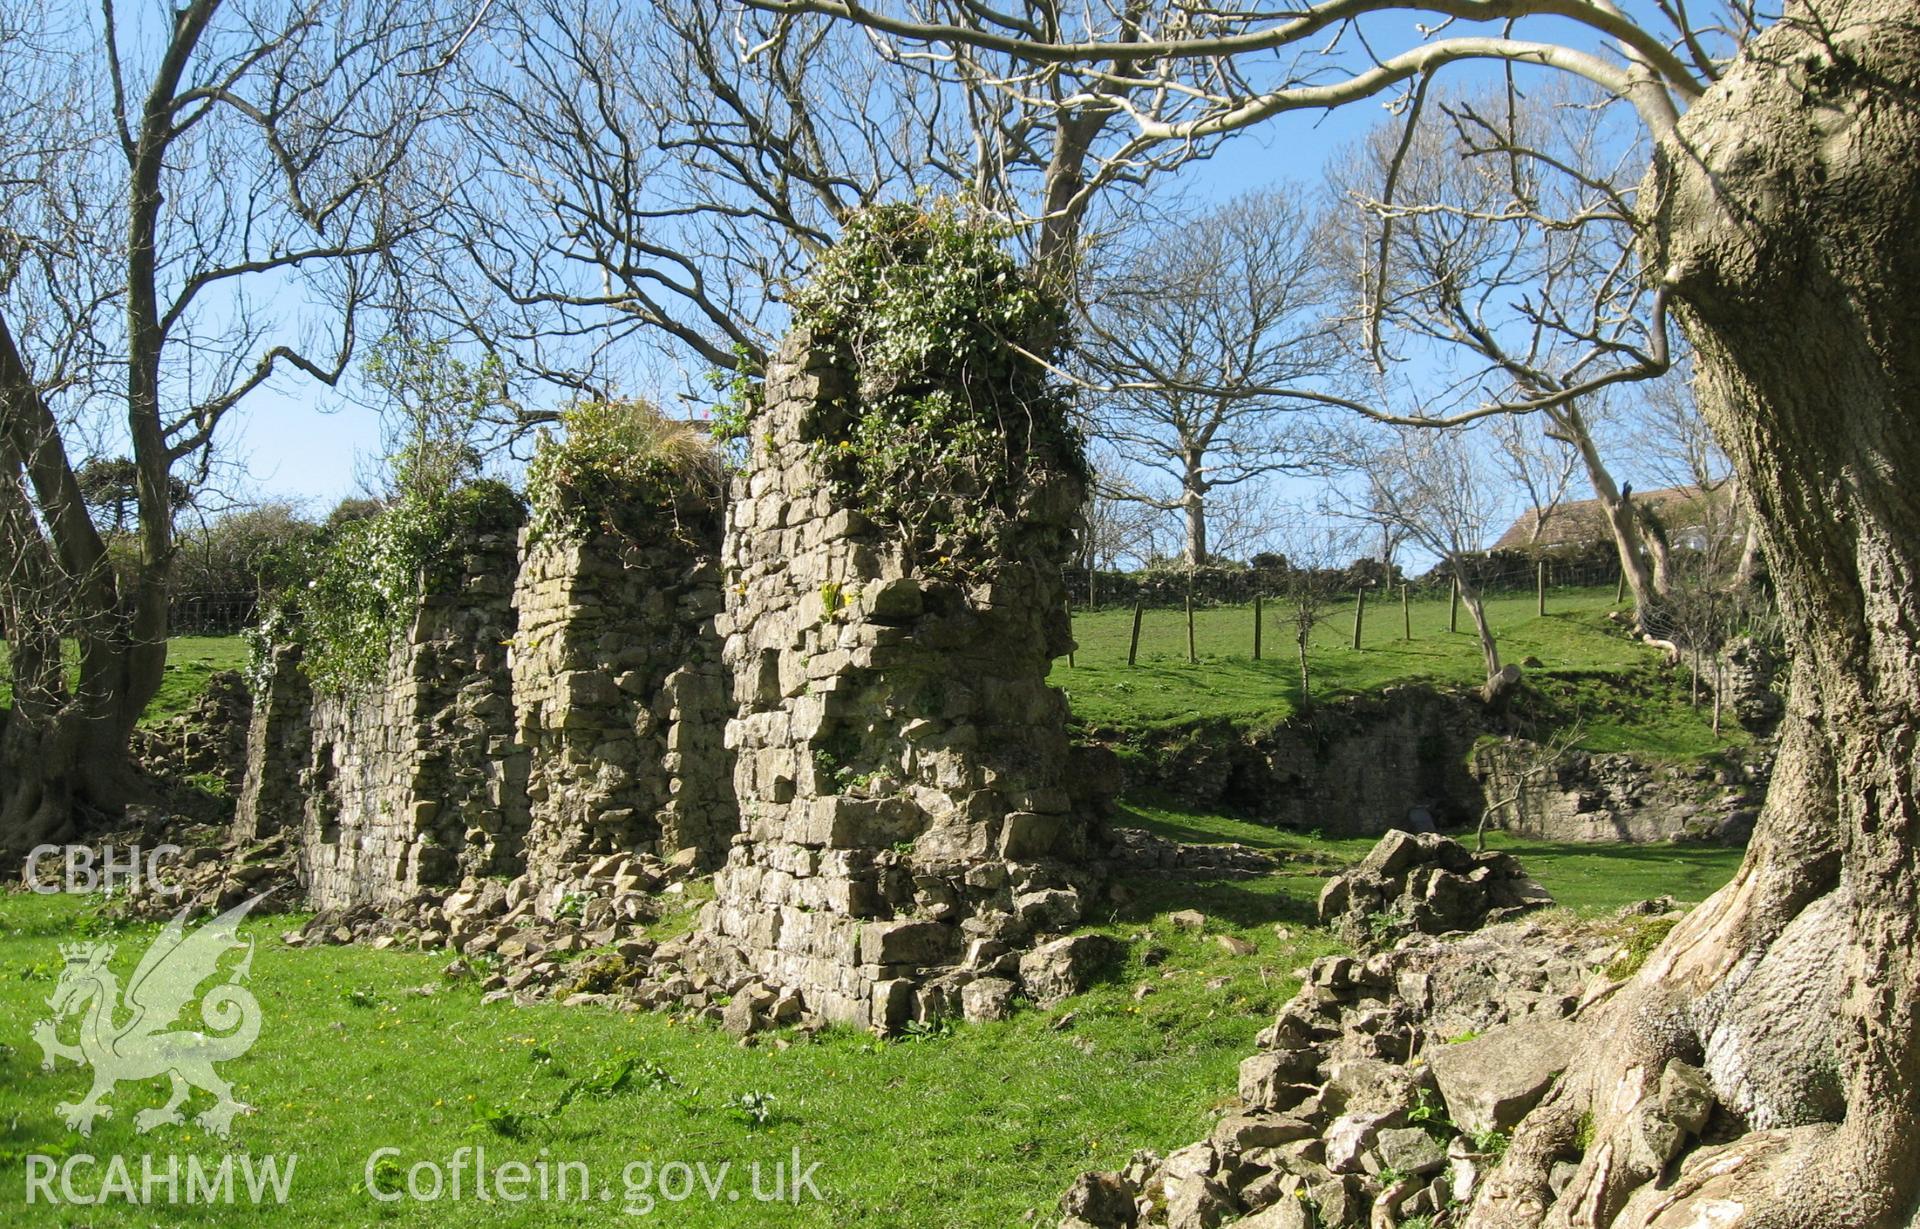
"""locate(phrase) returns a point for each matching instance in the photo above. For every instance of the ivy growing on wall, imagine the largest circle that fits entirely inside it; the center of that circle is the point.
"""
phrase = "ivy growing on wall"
(953, 417)
(344, 596)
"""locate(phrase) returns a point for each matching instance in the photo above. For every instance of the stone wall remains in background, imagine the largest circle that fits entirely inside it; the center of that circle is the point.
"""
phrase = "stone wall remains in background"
(1581, 796)
(416, 782)
(1352, 767)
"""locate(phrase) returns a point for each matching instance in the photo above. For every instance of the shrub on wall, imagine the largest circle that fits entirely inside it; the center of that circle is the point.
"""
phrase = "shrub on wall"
(618, 462)
(954, 416)
(343, 596)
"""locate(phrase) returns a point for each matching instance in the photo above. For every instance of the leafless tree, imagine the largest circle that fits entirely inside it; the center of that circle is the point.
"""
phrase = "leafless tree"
(647, 180)
(1521, 277)
(176, 183)
(1436, 486)
(1120, 530)
(1317, 548)
(1775, 228)
(1533, 763)
(1188, 332)
(1539, 463)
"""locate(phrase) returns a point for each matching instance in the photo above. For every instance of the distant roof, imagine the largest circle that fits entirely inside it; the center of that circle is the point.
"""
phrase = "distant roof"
(1580, 522)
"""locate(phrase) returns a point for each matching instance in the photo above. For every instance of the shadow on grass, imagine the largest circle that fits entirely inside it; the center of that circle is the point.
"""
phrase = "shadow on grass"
(1286, 896)
(1184, 830)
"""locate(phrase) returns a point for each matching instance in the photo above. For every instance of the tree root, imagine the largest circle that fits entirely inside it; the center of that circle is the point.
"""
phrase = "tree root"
(1746, 992)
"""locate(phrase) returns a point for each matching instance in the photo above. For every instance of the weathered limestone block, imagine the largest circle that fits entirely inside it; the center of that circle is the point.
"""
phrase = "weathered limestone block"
(900, 759)
(1428, 884)
(619, 694)
(1490, 1082)
(416, 781)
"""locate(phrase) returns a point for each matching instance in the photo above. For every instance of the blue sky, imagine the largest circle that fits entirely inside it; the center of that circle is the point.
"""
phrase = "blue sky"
(304, 442)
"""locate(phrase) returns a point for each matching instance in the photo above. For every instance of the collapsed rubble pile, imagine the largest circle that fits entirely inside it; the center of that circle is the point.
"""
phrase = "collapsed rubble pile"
(1139, 852)
(208, 740)
(1386, 1088)
(584, 940)
(208, 874)
(1424, 883)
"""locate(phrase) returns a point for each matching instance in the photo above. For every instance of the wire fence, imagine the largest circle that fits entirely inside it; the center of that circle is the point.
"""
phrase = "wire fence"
(1492, 572)
(212, 614)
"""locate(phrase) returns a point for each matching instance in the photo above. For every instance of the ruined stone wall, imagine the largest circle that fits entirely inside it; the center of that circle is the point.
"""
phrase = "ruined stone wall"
(620, 698)
(279, 745)
(1353, 767)
(1587, 797)
(900, 757)
(416, 781)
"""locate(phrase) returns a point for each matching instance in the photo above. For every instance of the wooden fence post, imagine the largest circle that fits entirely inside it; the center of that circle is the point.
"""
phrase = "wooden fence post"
(1192, 657)
(1070, 644)
(1540, 589)
(1359, 613)
(1620, 587)
(1133, 646)
(1453, 611)
(1406, 613)
(1256, 627)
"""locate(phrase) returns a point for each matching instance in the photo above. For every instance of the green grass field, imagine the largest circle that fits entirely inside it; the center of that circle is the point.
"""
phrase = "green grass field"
(190, 659)
(979, 1125)
(1586, 878)
(976, 1125)
(1619, 690)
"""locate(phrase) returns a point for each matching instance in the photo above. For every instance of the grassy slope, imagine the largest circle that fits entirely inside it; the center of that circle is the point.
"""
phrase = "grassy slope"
(1617, 688)
(1587, 878)
(968, 1129)
(190, 659)
(1588, 669)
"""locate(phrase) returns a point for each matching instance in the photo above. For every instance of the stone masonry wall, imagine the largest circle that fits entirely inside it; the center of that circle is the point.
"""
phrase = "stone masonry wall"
(620, 697)
(1355, 766)
(279, 744)
(1587, 797)
(417, 782)
(900, 756)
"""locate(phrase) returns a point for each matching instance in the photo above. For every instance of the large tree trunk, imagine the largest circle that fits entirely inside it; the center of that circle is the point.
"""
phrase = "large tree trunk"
(63, 750)
(1193, 506)
(1784, 225)
(1477, 611)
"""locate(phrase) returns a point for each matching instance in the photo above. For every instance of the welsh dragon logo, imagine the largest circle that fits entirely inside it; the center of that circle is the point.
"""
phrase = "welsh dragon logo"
(138, 1039)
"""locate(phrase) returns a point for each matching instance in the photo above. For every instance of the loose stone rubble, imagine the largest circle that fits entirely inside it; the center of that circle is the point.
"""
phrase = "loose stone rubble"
(1142, 853)
(205, 872)
(1425, 883)
(209, 740)
(1385, 1089)
(579, 935)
